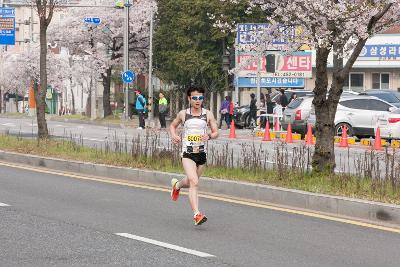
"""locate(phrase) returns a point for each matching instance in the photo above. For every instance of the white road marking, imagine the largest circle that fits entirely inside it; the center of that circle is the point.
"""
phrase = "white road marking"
(81, 127)
(4, 205)
(166, 245)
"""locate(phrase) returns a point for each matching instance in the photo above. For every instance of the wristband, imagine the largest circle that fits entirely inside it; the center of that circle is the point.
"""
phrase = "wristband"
(209, 136)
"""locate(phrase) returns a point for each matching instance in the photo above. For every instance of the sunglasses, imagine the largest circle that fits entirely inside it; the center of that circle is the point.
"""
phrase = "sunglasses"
(195, 98)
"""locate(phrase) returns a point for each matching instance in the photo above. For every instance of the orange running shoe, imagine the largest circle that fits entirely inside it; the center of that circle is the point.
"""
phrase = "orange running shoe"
(199, 218)
(174, 191)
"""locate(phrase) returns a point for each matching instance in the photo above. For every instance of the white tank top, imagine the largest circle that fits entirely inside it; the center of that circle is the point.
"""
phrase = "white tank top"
(195, 127)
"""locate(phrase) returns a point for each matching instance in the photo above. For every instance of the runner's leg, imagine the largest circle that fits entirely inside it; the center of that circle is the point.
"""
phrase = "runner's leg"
(191, 173)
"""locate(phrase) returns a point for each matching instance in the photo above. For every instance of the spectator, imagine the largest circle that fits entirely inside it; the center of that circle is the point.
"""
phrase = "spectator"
(292, 97)
(140, 108)
(253, 109)
(269, 104)
(231, 108)
(283, 101)
(225, 111)
(162, 110)
(262, 110)
(262, 100)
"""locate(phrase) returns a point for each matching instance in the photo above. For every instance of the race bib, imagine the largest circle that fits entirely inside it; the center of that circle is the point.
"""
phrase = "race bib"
(194, 138)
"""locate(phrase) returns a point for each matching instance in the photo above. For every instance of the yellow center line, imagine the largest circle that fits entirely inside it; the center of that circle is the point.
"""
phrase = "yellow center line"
(203, 195)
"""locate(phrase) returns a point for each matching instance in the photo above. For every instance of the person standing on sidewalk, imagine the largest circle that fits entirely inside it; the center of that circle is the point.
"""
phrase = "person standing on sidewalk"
(195, 121)
(253, 111)
(140, 108)
(224, 111)
(231, 109)
(162, 110)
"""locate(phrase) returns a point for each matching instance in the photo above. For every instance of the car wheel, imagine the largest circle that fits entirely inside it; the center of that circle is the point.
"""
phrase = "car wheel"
(338, 129)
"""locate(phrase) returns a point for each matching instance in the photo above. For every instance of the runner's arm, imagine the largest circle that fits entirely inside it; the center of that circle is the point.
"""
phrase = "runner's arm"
(174, 124)
(213, 125)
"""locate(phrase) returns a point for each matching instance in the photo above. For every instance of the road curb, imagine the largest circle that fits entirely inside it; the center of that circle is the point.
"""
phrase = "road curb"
(377, 212)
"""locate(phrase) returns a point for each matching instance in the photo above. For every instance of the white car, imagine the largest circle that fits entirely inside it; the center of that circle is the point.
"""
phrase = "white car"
(389, 125)
(359, 113)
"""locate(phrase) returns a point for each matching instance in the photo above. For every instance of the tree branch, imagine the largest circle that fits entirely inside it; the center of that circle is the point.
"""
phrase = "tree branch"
(361, 42)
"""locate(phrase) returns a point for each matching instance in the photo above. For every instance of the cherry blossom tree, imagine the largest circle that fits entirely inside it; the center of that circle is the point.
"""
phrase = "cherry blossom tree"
(104, 42)
(14, 79)
(18, 80)
(340, 27)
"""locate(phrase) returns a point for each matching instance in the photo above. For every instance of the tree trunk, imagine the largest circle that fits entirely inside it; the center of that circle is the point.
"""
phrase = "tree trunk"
(73, 111)
(89, 105)
(107, 92)
(73, 98)
(324, 157)
(1, 99)
(177, 95)
(40, 95)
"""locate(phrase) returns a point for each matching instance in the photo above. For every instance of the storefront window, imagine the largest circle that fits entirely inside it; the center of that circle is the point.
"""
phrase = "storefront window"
(354, 82)
(380, 80)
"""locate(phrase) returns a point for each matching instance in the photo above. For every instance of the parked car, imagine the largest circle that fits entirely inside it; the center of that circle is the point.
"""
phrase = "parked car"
(389, 125)
(297, 113)
(241, 114)
(391, 96)
(359, 113)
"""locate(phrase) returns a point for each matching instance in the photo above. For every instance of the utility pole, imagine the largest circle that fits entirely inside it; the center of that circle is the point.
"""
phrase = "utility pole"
(126, 56)
(151, 113)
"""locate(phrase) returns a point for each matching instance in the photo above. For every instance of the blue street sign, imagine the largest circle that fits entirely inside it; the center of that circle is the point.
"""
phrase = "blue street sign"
(92, 20)
(7, 26)
(128, 76)
(271, 82)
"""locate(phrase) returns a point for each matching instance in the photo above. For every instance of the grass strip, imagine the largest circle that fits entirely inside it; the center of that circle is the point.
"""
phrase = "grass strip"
(339, 185)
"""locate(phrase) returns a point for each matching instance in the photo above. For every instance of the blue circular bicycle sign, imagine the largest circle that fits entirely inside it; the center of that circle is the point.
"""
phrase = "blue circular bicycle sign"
(128, 76)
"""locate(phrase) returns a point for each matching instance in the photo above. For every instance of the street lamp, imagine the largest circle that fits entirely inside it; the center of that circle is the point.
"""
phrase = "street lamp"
(126, 55)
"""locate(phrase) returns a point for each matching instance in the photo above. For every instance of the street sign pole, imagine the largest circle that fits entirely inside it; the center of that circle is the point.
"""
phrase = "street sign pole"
(126, 56)
(236, 96)
(258, 80)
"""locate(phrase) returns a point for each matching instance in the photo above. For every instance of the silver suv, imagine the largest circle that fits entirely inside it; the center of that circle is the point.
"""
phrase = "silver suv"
(297, 113)
(359, 113)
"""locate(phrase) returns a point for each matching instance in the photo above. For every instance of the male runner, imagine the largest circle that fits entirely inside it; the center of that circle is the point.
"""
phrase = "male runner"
(195, 121)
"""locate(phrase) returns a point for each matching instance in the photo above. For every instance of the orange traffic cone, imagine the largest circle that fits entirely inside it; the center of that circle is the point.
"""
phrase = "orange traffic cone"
(289, 137)
(232, 132)
(378, 143)
(309, 137)
(276, 126)
(267, 135)
(343, 138)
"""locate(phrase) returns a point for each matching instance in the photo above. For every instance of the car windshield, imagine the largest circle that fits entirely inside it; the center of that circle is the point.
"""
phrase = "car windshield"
(388, 97)
(295, 103)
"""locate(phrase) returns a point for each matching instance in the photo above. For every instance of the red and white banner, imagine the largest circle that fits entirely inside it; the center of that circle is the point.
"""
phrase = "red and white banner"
(296, 65)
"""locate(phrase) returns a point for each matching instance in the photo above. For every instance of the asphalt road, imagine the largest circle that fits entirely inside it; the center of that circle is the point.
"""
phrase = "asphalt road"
(97, 136)
(56, 220)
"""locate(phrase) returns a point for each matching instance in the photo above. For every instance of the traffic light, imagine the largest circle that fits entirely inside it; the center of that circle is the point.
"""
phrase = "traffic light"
(270, 63)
